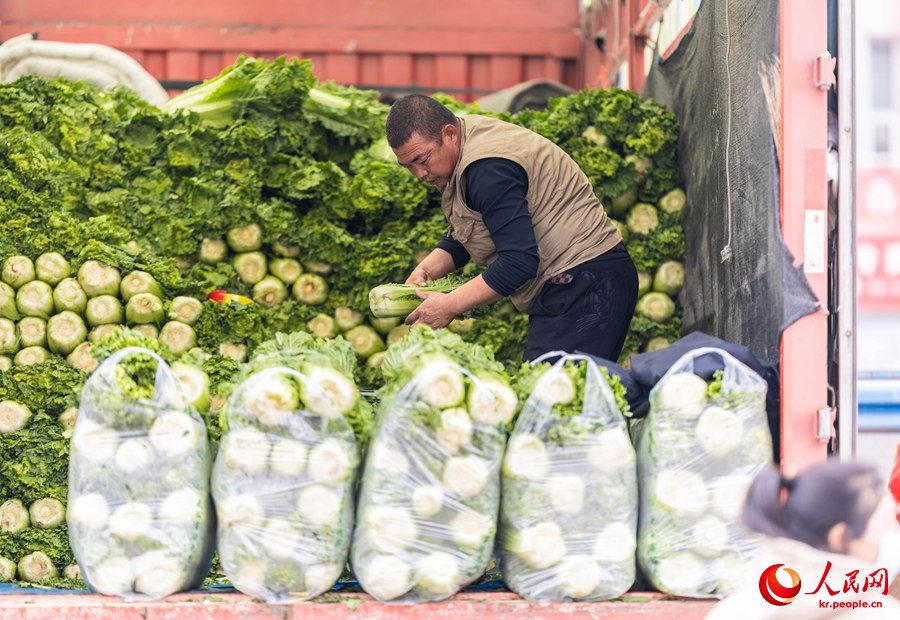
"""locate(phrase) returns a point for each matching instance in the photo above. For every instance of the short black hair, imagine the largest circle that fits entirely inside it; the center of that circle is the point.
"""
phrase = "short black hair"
(417, 114)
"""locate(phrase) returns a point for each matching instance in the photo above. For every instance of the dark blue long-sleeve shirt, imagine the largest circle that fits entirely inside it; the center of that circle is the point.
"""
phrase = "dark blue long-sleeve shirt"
(497, 189)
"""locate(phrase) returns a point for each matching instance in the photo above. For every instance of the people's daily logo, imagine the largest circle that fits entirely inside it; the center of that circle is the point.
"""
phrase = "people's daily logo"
(773, 590)
(780, 585)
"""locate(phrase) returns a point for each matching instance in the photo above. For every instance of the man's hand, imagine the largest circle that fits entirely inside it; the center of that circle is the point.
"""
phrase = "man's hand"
(435, 311)
(436, 265)
(418, 277)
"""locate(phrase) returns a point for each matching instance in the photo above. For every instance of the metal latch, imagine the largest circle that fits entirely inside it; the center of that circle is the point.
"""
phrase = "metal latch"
(824, 71)
(825, 424)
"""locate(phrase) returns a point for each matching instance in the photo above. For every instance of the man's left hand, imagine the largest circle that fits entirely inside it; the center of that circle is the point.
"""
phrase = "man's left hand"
(434, 311)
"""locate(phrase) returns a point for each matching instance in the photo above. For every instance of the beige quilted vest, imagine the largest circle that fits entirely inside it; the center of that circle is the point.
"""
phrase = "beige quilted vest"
(570, 225)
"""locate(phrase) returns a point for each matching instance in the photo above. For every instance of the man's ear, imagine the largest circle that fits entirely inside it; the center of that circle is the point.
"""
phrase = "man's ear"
(836, 539)
(450, 133)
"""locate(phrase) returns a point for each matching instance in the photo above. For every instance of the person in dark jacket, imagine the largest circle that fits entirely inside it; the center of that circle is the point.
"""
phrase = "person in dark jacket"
(831, 522)
(518, 204)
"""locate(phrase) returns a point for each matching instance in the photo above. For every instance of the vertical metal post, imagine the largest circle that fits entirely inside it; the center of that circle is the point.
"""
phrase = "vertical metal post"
(847, 405)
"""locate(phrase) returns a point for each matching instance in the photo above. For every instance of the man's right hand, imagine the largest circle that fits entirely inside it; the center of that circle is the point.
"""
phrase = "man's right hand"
(436, 265)
(418, 277)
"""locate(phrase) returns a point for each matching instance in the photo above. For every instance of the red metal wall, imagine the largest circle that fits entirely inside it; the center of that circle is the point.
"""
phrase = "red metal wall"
(464, 47)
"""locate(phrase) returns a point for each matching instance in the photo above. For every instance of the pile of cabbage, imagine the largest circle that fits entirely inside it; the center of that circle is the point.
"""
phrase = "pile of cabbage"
(568, 518)
(38, 407)
(284, 477)
(430, 491)
(140, 517)
(156, 200)
(702, 444)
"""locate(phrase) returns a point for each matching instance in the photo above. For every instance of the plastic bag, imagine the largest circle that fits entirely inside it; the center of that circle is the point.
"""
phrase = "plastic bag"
(700, 448)
(430, 491)
(283, 482)
(140, 517)
(568, 515)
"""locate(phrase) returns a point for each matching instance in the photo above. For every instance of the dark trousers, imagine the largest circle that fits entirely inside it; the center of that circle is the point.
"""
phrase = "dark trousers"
(588, 312)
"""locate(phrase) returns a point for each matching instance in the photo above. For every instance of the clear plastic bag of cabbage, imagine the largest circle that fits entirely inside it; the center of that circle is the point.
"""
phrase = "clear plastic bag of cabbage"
(430, 491)
(568, 516)
(284, 477)
(701, 446)
(140, 517)
(324, 360)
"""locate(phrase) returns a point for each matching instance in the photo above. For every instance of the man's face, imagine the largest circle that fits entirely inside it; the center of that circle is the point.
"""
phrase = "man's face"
(429, 160)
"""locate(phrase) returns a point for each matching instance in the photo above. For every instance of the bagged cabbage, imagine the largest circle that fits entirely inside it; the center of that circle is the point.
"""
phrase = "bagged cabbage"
(430, 491)
(285, 472)
(568, 515)
(702, 444)
(139, 513)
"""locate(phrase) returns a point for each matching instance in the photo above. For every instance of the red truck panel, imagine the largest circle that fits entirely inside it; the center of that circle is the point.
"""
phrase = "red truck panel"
(465, 47)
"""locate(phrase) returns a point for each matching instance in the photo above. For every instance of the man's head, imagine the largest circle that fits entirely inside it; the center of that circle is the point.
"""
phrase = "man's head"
(425, 137)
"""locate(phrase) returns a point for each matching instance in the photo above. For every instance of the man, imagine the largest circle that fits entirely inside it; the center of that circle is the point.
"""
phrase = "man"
(519, 204)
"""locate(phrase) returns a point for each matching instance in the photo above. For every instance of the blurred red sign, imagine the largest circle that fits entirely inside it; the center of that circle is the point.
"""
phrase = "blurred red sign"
(878, 240)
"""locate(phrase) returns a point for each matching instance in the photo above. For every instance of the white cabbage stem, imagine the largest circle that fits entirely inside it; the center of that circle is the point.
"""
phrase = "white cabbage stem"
(386, 577)
(455, 431)
(319, 505)
(440, 384)
(241, 512)
(611, 450)
(578, 576)
(327, 392)
(95, 442)
(526, 458)
(389, 529)
(113, 576)
(130, 521)
(710, 537)
(246, 449)
(279, 537)
(184, 507)
(175, 433)
(491, 401)
(89, 511)
(683, 573)
(271, 399)
(288, 457)
(134, 455)
(330, 462)
(250, 576)
(427, 500)
(14, 517)
(465, 476)
(615, 543)
(438, 572)
(540, 546)
(158, 573)
(681, 492)
(719, 431)
(47, 513)
(321, 577)
(389, 460)
(555, 387)
(566, 493)
(13, 417)
(471, 529)
(683, 394)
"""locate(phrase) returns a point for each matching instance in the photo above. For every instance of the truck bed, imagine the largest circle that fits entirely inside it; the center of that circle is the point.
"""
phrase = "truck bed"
(335, 606)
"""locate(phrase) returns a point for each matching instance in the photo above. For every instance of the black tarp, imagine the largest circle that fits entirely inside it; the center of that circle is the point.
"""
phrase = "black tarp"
(712, 82)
